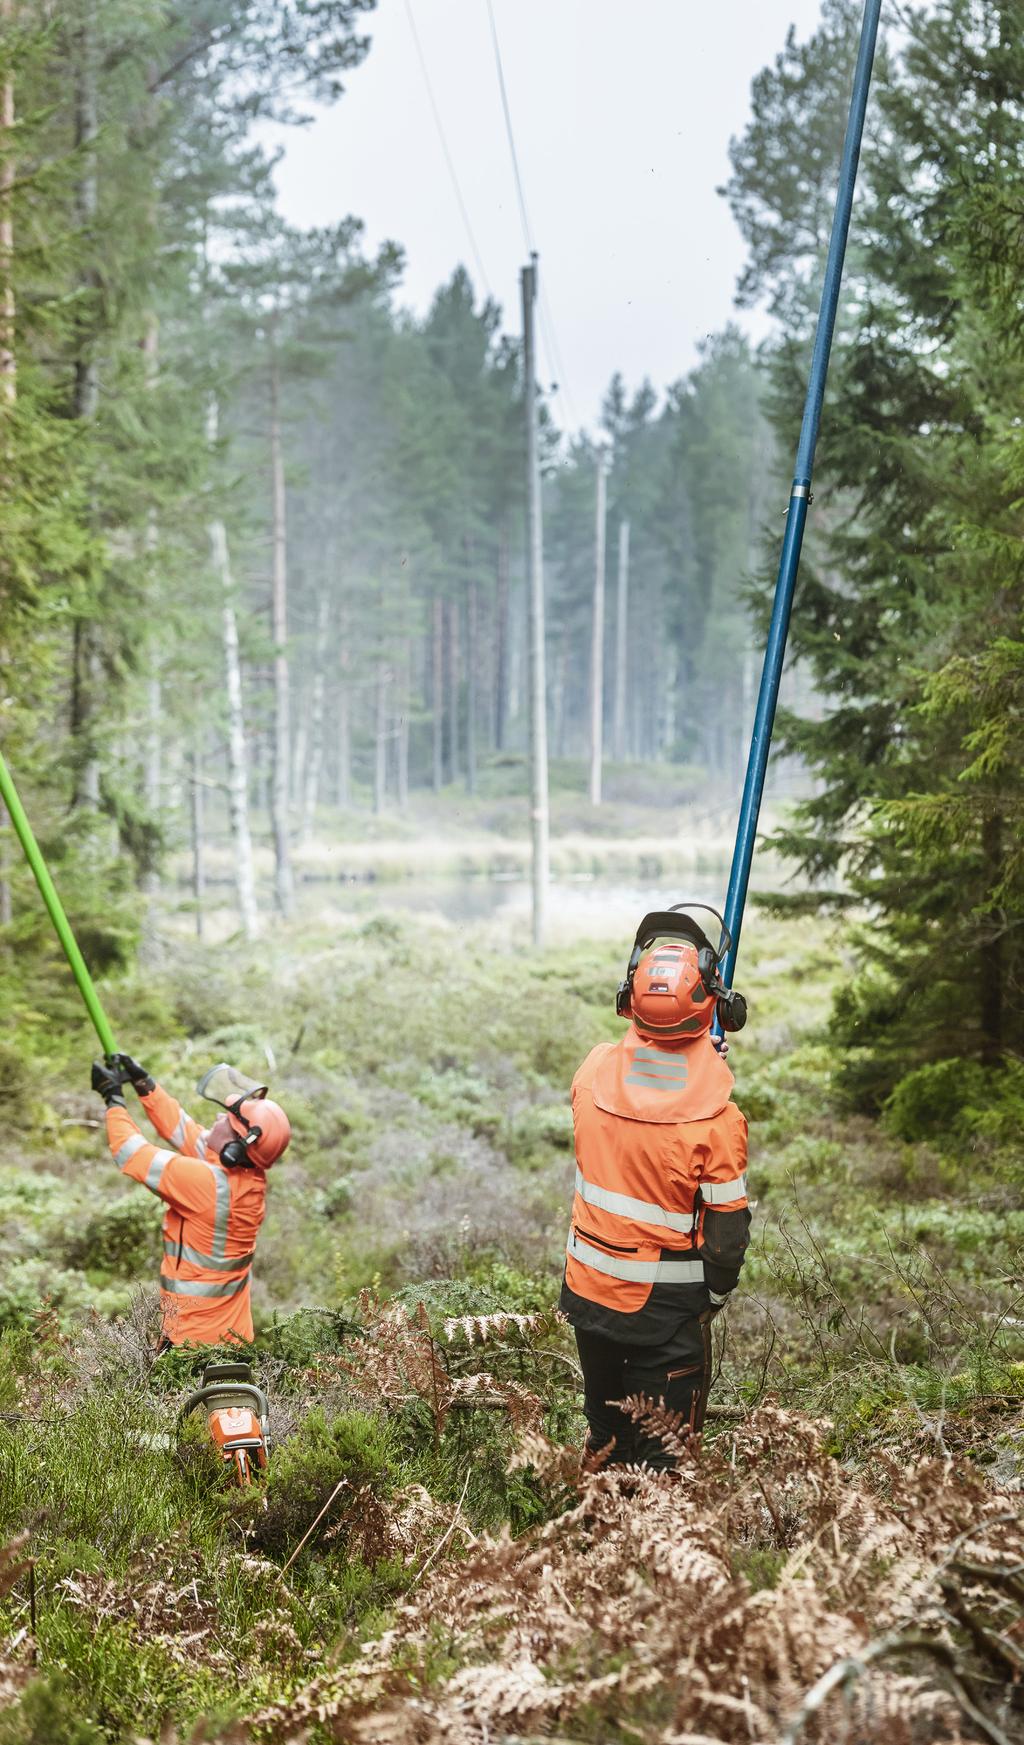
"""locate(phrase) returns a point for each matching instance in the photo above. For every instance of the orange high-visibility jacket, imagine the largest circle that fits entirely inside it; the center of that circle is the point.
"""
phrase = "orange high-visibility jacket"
(660, 1152)
(213, 1218)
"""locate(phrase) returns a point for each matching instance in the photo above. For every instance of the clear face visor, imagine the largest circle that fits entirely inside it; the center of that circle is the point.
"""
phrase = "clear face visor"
(227, 1087)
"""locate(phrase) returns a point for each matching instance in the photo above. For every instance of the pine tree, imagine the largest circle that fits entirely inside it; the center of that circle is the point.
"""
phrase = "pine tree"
(909, 613)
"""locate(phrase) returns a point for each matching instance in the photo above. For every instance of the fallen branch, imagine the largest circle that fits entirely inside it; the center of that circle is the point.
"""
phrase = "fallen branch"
(342, 1482)
(445, 1536)
(854, 1666)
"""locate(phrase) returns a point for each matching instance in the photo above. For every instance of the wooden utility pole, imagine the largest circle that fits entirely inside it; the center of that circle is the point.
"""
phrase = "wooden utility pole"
(621, 646)
(597, 633)
(535, 574)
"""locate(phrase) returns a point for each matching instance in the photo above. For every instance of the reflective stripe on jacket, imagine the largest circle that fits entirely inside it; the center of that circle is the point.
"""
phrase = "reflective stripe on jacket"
(657, 1143)
(213, 1218)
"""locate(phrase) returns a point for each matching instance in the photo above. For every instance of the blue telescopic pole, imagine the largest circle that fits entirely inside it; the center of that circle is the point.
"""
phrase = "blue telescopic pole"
(800, 496)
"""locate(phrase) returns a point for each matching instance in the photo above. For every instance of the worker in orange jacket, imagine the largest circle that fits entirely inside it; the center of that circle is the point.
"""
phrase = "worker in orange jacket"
(214, 1183)
(660, 1219)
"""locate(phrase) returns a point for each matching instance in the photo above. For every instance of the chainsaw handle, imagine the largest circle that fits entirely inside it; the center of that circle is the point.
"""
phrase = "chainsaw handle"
(213, 1391)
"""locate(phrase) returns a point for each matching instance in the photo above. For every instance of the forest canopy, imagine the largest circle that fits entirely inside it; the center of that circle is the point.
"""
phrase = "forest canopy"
(262, 528)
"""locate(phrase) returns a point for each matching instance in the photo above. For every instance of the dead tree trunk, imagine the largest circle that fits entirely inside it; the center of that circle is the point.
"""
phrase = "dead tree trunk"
(283, 885)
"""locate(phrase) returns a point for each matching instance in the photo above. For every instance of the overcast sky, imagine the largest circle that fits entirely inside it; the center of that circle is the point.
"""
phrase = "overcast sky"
(622, 117)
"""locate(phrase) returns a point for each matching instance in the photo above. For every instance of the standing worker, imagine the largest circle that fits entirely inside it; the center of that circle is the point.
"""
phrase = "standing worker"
(660, 1220)
(215, 1185)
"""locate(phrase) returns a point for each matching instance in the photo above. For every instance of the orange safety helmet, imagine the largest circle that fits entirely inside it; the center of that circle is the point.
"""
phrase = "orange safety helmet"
(668, 1000)
(674, 991)
(261, 1115)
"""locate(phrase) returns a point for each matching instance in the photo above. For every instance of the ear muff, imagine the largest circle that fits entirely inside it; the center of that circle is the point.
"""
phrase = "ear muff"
(730, 1007)
(624, 991)
(731, 1010)
(707, 963)
(235, 1154)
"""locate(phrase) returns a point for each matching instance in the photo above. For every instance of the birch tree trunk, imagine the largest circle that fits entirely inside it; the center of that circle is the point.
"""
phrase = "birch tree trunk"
(196, 818)
(597, 640)
(501, 650)
(539, 798)
(437, 691)
(380, 740)
(315, 761)
(238, 775)
(344, 786)
(283, 885)
(238, 772)
(402, 771)
(302, 708)
(472, 656)
(621, 647)
(558, 695)
(453, 690)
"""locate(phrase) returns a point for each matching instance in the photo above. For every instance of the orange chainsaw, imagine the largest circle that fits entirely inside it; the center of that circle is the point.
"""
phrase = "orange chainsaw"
(237, 1417)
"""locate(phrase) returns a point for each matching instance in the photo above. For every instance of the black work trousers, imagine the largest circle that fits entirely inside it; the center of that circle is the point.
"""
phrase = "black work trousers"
(672, 1374)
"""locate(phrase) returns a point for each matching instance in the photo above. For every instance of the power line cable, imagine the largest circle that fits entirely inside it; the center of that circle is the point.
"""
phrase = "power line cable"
(481, 269)
(527, 233)
(547, 324)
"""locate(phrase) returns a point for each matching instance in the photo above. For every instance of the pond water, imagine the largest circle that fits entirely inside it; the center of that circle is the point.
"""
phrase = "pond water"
(577, 905)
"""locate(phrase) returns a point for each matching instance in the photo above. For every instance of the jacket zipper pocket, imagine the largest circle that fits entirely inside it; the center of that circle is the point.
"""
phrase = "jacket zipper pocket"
(616, 1247)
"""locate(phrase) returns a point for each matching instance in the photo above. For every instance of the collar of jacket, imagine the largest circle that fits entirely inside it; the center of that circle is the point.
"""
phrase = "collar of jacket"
(645, 1082)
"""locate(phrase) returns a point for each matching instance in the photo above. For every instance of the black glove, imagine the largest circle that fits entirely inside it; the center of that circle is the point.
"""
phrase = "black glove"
(130, 1069)
(715, 1307)
(106, 1079)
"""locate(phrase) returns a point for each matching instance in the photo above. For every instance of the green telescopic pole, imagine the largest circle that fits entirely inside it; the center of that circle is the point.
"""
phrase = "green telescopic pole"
(48, 891)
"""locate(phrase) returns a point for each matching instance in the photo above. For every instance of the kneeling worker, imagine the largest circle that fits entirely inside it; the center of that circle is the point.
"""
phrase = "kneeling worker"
(660, 1221)
(215, 1185)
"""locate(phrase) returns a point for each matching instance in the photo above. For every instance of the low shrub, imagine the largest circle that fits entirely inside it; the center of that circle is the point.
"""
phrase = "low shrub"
(122, 1238)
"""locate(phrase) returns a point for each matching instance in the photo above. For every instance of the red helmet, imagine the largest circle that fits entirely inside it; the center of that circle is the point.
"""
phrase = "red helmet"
(274, 1125)
(668, 1000)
